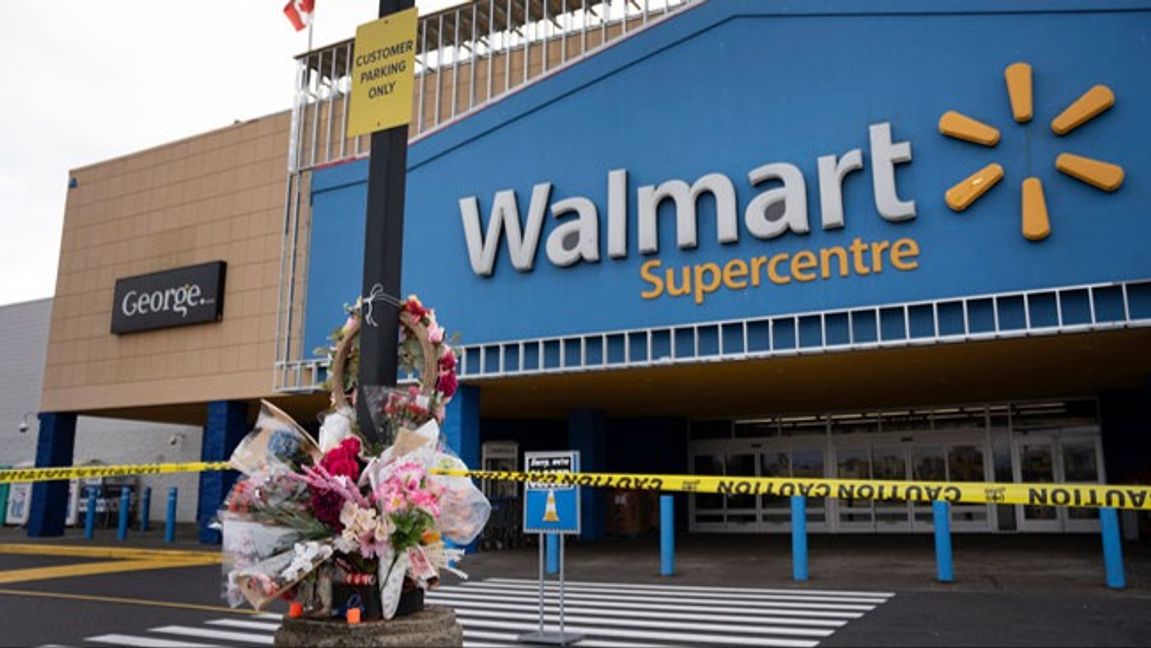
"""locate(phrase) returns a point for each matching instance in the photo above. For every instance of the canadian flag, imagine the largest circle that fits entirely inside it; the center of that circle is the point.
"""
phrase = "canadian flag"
(299, 12)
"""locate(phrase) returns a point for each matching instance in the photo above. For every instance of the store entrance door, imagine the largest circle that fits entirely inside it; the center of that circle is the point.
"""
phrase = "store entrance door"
(795, 457)
(919, 457)
(1070, 455)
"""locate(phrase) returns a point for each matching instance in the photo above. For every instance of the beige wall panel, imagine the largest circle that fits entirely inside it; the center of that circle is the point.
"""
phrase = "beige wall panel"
(218, 196)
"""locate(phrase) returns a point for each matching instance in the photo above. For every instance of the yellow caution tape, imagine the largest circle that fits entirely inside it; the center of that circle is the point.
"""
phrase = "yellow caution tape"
(16, 475)
(1078, 495)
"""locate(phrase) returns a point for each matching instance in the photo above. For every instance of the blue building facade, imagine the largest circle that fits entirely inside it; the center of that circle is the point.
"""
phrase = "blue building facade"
(732, 242)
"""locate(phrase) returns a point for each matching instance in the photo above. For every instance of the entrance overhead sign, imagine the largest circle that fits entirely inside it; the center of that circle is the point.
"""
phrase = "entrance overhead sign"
(383, 72)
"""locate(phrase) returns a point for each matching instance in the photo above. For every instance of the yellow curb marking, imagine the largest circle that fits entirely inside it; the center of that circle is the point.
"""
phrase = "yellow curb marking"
(74, 551)
(92, 569)
(126, 601)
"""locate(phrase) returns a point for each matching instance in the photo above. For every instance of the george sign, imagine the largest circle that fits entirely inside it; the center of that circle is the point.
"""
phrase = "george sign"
(383, 73)
(189, 295)
(551, 507)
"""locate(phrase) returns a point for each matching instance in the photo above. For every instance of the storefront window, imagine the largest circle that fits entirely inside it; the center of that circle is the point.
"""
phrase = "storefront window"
(1052, 416)
(854, 424)
(1037, 465)
(964, 419)
(965, 463)
(1054, 442)
(928, 465)
(803, 426)
(708, 506)
(1080, 465)
(1000, 460)
(711, 429)
(775, 463)
(908, 421)
(741, 508)
(889, 462)
(756, 429)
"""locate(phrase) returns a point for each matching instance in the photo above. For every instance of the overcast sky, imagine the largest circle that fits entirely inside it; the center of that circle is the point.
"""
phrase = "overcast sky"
(89, 81)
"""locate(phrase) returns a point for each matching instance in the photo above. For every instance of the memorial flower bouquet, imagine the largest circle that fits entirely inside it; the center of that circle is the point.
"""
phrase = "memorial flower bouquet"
(333, 525)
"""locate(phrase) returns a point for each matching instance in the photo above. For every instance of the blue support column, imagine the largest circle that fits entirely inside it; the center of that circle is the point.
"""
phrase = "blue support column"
(587, 432)
(461, 430)
(461, 426)
(941, 514)
(170, 520)
(666, 535)
(54, 447)
(227, 426)
(90, 515)
(145, 508)
(1112, 549)
(799, 538)
(125, 505)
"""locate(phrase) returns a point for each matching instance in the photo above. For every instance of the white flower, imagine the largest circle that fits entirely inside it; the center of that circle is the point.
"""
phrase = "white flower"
(304, 560)
(336, 427)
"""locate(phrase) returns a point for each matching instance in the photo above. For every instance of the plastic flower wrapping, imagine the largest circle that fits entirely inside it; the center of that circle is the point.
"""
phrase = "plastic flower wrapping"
(328, 523)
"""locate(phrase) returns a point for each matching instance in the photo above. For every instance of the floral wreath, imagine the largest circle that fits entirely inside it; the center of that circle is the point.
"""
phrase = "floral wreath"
(336, 526)
(423, 352)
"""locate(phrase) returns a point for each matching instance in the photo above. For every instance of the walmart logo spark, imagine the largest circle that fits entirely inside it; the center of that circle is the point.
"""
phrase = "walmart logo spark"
(1097, 173)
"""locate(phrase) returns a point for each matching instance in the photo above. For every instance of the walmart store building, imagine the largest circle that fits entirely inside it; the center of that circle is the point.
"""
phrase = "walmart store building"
(892, 240)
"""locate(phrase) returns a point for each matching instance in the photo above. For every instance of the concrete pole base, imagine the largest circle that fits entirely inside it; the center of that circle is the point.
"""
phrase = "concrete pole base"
(432, 626)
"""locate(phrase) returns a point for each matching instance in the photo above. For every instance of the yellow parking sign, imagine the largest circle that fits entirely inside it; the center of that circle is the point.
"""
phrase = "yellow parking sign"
(383, 72)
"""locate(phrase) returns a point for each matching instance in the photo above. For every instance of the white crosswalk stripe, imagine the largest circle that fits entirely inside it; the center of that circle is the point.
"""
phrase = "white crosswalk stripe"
(496, 611)
(632, 615)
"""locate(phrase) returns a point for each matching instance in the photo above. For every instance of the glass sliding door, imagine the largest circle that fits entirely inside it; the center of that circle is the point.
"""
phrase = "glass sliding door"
(707, 509)
(854, 462)
(775, 511)
(792, 459)
(928, 463)
(967, 462)
(1036, 461)
(807, 460)
(1071, 455)
(1079, 456)
(742, 511)
(890, 462)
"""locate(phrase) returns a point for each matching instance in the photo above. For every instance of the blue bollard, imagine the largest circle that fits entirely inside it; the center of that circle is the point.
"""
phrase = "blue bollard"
(170, 523)
(145, 508)
(799, 537)
(125, 504)
(1112, 549)
(90, 515)
(553, 553)
(941, 514)
(666, 535)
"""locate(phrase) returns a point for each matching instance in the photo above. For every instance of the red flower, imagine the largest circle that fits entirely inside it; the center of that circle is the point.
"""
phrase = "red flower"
(326, 506)
(447, 384)
(447, 361)
(413, 306)
(343, 459)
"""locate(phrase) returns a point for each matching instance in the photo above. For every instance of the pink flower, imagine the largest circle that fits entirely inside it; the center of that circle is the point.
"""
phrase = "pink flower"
(409, 475)
(435, 333)
(427, 501)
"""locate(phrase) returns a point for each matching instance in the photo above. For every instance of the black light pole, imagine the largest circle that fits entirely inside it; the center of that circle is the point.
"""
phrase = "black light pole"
(383, 255)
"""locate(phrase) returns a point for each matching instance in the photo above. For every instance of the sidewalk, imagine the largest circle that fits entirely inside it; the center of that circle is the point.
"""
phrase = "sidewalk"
(1018, 563)
(999, 563)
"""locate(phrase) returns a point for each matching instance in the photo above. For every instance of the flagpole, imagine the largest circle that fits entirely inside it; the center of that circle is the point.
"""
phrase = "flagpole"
(311, 24)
